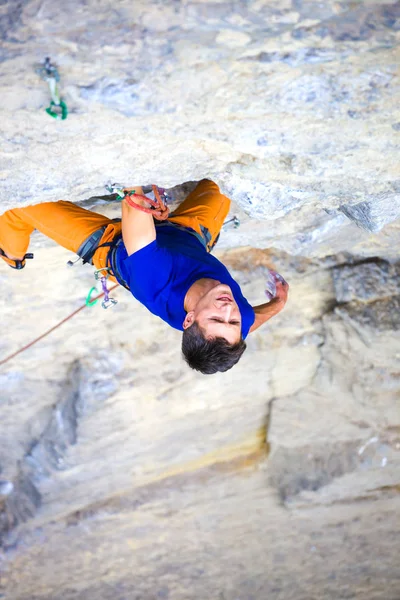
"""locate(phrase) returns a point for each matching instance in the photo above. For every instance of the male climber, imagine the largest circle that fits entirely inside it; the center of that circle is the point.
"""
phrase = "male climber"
(166, 265)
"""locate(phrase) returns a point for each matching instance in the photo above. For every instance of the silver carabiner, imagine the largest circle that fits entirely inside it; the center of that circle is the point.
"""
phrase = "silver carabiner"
(98, 274)
(109, 302)
(115, 188)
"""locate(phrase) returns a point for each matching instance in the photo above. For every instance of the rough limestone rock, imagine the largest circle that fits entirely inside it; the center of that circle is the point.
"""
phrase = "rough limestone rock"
(290, 107)
(123, 474)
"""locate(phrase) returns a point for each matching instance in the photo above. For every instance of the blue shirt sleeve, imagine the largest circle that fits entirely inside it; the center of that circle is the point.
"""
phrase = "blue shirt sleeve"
(149, 272)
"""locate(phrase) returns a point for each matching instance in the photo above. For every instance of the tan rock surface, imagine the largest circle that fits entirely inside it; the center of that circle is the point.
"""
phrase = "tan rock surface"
(133, 477)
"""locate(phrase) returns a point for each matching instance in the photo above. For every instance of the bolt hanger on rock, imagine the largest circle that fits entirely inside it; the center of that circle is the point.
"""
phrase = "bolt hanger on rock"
(233, 223)
(49, 73)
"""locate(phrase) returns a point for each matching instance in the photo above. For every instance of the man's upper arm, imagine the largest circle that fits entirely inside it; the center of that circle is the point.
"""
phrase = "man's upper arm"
(138, 228)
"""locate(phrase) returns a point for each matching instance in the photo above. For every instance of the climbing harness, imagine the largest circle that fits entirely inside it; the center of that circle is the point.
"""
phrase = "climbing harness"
(48, 72)
(15, 263)
(87, 249)
(159, 209)
(112, 261)
(160, 212)
(86, 252)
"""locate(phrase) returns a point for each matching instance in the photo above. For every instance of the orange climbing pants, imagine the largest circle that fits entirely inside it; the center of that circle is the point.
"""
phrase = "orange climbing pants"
(70, 225)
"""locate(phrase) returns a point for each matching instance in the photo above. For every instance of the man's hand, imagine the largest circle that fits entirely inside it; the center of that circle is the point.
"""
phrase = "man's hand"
(264, 312)
(282, 287)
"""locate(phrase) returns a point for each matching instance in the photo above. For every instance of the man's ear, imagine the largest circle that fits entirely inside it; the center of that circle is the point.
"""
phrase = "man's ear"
(189, 319)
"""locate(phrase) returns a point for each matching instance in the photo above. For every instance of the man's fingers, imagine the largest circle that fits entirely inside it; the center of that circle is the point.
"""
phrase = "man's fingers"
(282, 283)
(279, 278)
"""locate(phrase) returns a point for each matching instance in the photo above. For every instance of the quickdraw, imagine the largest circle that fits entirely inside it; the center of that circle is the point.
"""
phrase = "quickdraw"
(48, 72)
(101, 275)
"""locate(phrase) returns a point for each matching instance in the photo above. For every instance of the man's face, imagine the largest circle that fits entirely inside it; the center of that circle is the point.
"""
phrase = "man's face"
(217, 315)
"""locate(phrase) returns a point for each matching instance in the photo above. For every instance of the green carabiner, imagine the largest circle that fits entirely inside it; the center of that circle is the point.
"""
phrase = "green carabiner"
(89, 301)
(56, 115)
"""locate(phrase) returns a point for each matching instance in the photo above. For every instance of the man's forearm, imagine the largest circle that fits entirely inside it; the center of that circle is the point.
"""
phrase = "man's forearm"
(264, 312)
(138, 228)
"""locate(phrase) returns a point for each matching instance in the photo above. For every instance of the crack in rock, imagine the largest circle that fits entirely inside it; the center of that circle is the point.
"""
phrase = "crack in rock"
(366, 282)
(358, 23)
(369, 293)
(88, 382)
(373, 215)
(46, 454)
(310, 468)
(10, 17)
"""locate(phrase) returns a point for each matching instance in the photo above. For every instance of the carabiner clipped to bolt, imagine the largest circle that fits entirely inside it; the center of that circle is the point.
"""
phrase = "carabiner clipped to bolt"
(56, 114)
(115, 188)
(48, 72)
(233, 223)
(118, 188)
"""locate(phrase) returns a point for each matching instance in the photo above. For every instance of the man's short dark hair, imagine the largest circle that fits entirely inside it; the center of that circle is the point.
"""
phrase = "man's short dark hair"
(209, 356)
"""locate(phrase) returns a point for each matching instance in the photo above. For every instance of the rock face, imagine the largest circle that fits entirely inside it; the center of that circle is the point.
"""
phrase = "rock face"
(122, 473)
(289, 106)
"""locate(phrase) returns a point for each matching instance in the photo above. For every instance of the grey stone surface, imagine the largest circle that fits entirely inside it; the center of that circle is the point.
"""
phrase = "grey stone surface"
(124, 474)
(290, 108)
(373, 216)
(368, 281)
(383, 315)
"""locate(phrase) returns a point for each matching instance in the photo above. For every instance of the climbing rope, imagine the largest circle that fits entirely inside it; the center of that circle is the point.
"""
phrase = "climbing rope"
(159, 210)
(46, 333)
(48, 72)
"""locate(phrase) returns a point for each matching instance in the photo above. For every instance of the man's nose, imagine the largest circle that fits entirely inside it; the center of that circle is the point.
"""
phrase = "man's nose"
(226, 309)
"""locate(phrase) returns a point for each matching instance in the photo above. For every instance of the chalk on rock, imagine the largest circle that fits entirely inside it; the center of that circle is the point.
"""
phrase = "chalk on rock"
(6, 487)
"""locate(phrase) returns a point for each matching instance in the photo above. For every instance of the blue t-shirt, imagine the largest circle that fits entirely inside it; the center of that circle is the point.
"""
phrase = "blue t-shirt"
(160, 274)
